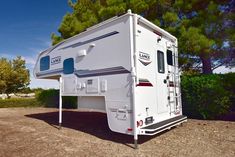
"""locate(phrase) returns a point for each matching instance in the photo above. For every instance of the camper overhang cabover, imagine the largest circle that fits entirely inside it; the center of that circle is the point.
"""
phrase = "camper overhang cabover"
(126, 67)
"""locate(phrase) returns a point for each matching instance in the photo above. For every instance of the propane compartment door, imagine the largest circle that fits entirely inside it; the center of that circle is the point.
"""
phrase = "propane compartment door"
(69, 84)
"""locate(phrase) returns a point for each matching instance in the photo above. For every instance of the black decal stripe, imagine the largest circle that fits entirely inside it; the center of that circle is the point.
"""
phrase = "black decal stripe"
(88, 73)
(144, 82)
(56, 71)
(90, 40)
(100, 72)
(145, 63)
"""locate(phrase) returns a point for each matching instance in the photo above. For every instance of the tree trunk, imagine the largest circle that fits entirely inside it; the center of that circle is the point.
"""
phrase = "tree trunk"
(206, 65)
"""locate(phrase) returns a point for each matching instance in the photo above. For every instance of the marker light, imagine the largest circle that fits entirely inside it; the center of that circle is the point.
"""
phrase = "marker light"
(139, 123)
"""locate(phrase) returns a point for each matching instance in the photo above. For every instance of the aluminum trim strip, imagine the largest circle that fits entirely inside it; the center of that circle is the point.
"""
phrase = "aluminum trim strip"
(100, 72)
(90, 40)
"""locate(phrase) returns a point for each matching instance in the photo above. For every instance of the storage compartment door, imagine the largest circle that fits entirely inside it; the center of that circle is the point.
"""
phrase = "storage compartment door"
(69, 84)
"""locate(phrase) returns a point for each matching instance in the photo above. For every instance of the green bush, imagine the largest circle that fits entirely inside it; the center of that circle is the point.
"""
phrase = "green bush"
(228, 82)
(19, 102)
(50, 98)
(206, 96)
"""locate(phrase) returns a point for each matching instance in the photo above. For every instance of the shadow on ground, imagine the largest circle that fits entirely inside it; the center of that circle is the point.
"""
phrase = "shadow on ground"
(93, 123)
(228, 117)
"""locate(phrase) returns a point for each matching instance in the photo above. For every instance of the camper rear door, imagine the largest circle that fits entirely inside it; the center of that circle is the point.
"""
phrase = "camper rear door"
(161, 83)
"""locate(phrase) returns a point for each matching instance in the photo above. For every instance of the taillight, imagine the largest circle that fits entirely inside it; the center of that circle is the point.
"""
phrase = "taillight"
(139, 123)
(129, 129)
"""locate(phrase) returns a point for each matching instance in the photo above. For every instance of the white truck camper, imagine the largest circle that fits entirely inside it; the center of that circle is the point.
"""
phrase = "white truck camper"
(126, 67)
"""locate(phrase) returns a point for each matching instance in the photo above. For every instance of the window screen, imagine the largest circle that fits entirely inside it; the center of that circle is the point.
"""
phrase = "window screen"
(68, 66)
(169, 57)
(160, 61)
(44, 63)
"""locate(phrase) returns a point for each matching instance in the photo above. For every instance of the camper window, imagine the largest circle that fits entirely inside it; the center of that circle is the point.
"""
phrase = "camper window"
(169, 57)
(68, 66)
(44, 63)
(160, 60)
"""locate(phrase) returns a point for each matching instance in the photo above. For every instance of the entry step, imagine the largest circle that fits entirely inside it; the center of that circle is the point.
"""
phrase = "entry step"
(166, 124)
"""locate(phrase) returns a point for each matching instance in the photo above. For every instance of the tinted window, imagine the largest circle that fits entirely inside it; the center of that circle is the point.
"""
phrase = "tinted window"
(169, 57)
(68, 66)
(160, 62)
(44, 63)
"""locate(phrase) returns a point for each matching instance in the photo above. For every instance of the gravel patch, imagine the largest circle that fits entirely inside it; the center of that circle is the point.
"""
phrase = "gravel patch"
(34, 132)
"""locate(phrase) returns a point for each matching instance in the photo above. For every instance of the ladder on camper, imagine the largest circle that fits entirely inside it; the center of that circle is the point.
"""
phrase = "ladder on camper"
(173, 85)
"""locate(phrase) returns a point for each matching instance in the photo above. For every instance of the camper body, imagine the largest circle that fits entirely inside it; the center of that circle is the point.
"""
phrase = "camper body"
(126, 67)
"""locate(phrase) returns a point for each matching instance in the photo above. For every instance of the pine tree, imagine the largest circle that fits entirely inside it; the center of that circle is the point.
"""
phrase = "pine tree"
(203, 27)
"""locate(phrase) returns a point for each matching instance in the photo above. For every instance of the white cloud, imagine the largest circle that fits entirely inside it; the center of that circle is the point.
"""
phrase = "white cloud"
(29, 60)
(35, 50)
(223, 70)
(41, 45)
(44, 42)
(8, 56)
(43, 83)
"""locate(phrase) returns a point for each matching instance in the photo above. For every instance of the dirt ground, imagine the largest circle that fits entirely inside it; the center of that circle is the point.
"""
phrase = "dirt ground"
(33, 132)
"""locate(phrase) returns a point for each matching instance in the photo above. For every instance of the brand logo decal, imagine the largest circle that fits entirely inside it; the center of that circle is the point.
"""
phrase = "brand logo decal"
(144, 58)
(55, 60)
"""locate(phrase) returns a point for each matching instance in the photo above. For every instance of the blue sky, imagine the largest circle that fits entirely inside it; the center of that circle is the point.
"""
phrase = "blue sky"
(26, 27)
(25, 30)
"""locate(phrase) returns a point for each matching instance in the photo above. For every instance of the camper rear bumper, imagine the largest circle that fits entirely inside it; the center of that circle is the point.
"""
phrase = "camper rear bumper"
(164, 125)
